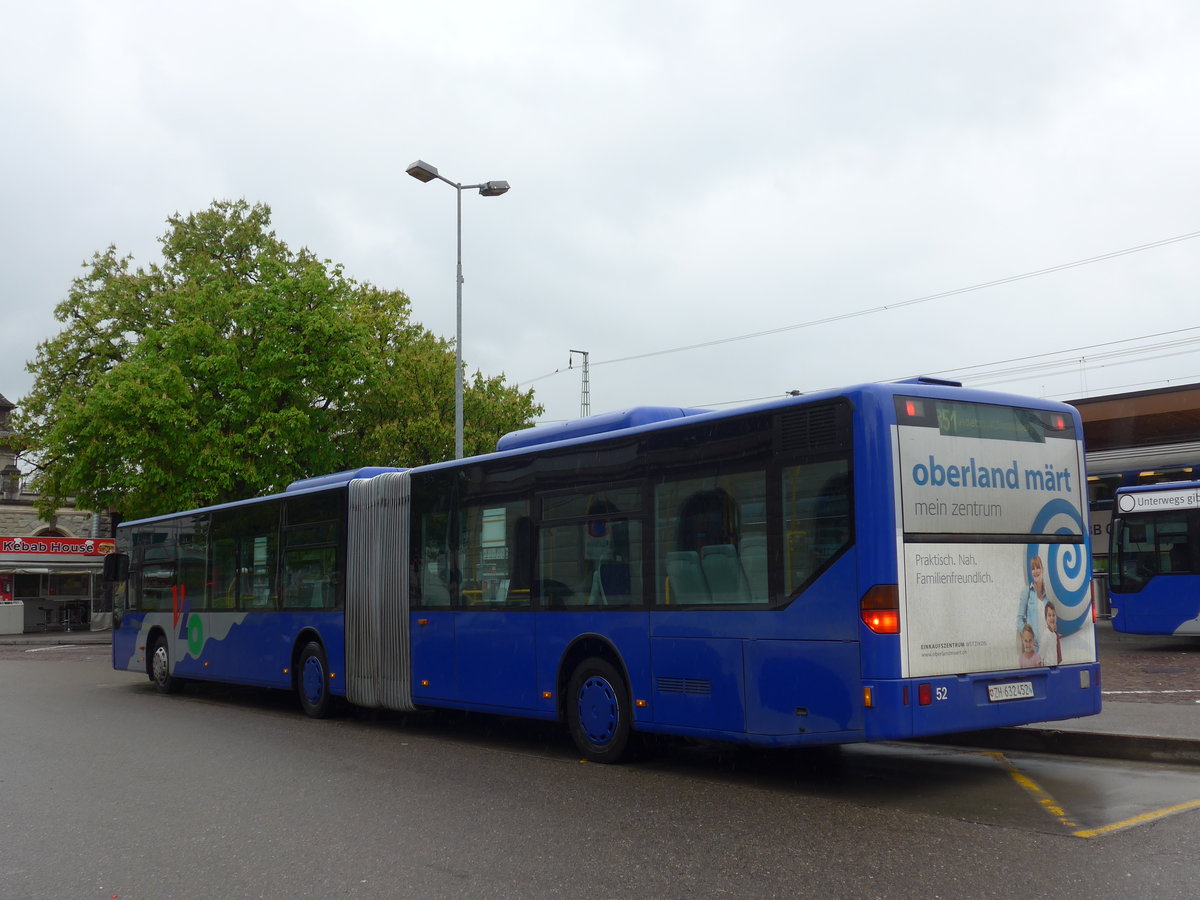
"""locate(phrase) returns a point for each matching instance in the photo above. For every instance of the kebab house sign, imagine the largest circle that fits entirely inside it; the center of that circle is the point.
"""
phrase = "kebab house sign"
(18, 551)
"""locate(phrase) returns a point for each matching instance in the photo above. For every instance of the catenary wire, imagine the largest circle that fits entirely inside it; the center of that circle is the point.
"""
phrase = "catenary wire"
(1009, 279)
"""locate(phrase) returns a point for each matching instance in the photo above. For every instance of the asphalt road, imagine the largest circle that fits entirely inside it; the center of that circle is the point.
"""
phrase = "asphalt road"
(111, 791)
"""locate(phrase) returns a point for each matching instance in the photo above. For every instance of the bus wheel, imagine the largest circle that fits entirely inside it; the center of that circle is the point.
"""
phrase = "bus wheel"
(598, 712)
(312, 681)
(160, 668)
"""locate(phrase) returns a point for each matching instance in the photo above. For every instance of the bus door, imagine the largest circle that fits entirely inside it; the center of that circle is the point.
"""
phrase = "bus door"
(434, 586)
(477, 644)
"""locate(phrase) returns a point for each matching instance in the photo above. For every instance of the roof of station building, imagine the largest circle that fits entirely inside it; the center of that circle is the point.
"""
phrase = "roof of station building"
(1166, 415)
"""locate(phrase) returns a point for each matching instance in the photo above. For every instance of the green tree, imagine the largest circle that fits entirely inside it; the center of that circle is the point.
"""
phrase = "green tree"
(235, 367)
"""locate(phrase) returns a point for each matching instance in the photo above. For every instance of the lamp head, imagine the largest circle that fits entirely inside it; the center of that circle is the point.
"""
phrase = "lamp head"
(492, 188)
(423, 171)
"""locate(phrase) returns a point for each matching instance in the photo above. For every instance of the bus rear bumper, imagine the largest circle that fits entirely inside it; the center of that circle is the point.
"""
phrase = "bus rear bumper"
(920, 707)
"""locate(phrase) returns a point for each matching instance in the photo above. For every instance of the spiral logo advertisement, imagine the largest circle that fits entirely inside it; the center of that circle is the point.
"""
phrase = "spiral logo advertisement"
(1068, 569)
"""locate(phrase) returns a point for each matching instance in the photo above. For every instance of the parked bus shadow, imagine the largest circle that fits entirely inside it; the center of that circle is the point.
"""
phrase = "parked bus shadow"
(886, 773)
(876, 774)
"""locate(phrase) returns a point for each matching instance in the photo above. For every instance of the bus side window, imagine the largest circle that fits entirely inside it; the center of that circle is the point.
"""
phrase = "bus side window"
(1179, 558)
(495, 549)
(313, 535)
(193, 560)
(1101, 489)
(224, 571)
(245, 558)
(590, 548)
(158, 575)
(817, 523)
(711, 542)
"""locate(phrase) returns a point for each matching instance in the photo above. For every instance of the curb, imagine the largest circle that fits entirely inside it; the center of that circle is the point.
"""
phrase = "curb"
(1136, 748)
(16, 640)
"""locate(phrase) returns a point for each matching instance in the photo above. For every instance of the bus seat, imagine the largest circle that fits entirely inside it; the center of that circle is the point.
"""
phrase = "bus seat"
(615, 581)
(610, 584)
(317, 595)
(723, 572)
(686, 577)
(754, 564)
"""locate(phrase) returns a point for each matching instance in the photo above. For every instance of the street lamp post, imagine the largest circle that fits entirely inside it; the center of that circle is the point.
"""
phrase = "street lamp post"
(423, 171)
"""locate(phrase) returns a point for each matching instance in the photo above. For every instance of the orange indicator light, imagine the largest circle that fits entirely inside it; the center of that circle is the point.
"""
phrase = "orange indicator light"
(640, 704)
(424, 682)
(868, 700)
(546, 695)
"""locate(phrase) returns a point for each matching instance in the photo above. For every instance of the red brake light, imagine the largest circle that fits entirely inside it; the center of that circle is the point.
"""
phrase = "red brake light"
(883, 621)
(880, 609)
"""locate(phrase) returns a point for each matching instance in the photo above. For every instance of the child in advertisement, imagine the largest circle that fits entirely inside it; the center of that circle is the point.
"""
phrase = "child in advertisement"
(1042, 611)
(1052, 641)
(1030, 658)
(1029, 608)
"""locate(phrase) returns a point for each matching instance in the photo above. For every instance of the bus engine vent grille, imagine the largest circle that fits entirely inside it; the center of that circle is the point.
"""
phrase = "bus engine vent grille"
(700, 686)
(815, 429)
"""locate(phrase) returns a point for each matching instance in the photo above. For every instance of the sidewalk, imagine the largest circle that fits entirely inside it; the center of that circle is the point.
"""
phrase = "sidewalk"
(1143, 731)
(1147, 732)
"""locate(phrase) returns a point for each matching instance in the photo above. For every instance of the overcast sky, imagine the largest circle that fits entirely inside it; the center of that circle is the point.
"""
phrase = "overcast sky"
(683, 174)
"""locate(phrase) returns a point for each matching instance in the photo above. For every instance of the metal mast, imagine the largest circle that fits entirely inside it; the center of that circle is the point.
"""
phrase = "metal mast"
(585, 396)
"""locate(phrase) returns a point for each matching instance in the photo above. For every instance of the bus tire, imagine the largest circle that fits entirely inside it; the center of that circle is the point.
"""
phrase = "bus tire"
(598, 712)
(160, 668)
(312, 681)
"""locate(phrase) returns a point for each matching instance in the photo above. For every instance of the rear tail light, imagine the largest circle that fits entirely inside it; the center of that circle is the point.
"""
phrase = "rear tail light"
(880, 609)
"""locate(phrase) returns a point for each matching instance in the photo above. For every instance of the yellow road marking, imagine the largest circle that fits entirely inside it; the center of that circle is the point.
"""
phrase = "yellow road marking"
(1035, 790)
(1051, 806)
(1137, 820)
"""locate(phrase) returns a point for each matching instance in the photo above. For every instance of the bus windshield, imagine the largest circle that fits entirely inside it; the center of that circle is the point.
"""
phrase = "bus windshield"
(1154, 554)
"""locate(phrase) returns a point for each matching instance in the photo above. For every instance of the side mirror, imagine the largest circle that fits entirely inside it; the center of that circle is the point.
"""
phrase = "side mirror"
(116, 567)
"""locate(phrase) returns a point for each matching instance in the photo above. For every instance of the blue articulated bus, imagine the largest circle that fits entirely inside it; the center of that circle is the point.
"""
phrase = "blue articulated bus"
(881, 562)
(1154, 559)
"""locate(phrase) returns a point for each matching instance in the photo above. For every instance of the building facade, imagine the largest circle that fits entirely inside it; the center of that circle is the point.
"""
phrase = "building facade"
(50, 571)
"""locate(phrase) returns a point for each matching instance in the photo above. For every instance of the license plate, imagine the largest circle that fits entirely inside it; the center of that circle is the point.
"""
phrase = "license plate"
(1010, 690)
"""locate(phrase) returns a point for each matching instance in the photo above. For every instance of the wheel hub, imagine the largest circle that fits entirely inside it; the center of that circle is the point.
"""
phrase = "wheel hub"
(312, 679)
(599, 712)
